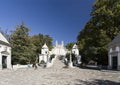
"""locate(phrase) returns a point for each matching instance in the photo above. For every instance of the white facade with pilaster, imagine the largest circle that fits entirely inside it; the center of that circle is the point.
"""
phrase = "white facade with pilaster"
(114, 54)
(75, 50)
(59, 49)
(44, 54)
(5, 53)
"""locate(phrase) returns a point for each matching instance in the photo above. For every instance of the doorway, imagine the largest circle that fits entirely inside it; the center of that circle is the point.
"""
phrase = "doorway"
(114, 62)
(4, 62)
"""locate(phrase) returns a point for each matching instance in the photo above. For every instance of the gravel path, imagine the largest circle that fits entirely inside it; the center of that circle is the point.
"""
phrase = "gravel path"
(57, 75)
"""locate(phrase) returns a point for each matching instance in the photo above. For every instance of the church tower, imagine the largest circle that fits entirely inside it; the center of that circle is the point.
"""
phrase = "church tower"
(75, 50)
(62, 44)
(59, 49)
(56, 43)
(45, 49)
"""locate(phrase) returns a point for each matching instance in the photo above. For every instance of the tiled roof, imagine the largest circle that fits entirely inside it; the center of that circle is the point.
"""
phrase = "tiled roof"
(115, 40)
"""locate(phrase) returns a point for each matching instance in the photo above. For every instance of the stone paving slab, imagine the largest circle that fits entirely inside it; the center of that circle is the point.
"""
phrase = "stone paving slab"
(65, 76)
(57, 75)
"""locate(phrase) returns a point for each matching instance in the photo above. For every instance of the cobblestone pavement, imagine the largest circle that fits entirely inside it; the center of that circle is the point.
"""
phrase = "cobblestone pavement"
(57, 75)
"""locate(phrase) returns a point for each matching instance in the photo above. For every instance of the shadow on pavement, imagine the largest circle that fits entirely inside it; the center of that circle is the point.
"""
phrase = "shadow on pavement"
(97, 82)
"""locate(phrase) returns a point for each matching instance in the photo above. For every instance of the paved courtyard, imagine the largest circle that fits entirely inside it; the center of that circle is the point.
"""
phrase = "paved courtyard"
(57, 75)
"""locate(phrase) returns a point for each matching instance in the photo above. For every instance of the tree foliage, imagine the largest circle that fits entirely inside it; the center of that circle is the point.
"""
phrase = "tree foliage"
(25, 48)
(103, 26)
(21, 46)
(39, 40)
(73, 57)
(105, 15)
(70, 45)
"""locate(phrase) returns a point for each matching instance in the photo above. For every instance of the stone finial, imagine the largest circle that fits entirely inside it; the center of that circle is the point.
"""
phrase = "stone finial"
(56, 43)
(62, 43)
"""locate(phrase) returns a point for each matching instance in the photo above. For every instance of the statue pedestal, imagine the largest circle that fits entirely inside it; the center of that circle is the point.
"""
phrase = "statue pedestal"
(70, 64)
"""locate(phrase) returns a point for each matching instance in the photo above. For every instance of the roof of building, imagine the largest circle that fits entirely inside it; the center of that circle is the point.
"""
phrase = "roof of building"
(75, 46)
(45, 46)
(4, 43)
(115, 40)
(3, 40)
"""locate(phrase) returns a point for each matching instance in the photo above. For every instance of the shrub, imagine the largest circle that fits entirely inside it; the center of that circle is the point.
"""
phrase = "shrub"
(42, 62)
(52, 56)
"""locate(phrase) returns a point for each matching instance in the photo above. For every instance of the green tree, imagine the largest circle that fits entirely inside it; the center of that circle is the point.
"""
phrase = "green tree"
(39, 40)
(22, 48)
(103, 26)
(93, 45)
(105, 15)
(70, 45)
(73, 57)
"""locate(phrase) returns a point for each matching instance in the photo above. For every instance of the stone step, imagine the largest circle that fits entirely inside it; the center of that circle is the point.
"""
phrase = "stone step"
(58, 64)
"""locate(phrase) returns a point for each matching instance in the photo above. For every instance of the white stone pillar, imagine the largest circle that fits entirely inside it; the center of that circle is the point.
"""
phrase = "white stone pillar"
(0, 61)
(45, 58)
(109, 61)
(39, 58)
(118, 57)
(9, 65)
(70, 62)
(48, 57)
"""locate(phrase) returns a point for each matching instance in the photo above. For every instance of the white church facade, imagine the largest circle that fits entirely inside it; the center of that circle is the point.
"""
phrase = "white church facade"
(114, 54)
(44, 54)
(75, 51)
(5, 53)
(58, 50)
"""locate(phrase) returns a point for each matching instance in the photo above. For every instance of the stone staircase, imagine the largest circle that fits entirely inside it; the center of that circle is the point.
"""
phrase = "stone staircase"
(58, 64)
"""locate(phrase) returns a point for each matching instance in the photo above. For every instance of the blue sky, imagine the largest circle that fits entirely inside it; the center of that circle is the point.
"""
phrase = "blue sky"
(61, 19)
